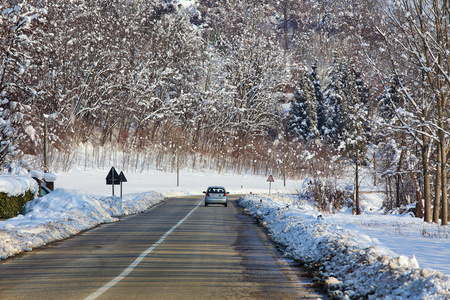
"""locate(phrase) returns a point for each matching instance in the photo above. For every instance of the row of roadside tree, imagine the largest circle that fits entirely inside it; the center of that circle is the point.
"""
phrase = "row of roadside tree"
(296, 88)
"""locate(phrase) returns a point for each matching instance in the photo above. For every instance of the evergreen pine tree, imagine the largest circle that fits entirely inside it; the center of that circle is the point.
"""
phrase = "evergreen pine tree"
(351, 104)
(356, 131)
(8, 132)
(334, 102)
(303, 121)
(321, 112)
(389, 100)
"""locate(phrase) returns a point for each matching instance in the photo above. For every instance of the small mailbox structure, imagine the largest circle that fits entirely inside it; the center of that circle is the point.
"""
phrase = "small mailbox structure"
(38, 176)
(49, 181)
(44, 179)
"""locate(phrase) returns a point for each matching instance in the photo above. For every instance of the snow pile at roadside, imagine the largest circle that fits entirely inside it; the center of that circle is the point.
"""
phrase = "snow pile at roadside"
(64, 213)
(138, 203)
(351, 264)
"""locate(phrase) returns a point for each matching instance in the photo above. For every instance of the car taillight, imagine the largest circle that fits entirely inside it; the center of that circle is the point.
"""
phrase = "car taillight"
(207, 194)
(224, 194)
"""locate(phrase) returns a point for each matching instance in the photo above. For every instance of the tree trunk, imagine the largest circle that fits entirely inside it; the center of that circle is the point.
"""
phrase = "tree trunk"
(398, 178)
(437, 195)
(397, 190)
(419, 205)
(374, 168)
(389, 193)
(426, 179)
(443, 179)
(358, 209)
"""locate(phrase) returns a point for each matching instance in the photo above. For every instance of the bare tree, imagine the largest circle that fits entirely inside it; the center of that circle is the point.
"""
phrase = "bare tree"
(417, 31)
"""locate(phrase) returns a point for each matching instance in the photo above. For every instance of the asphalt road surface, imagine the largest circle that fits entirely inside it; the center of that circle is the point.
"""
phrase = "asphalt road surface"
(179, 249)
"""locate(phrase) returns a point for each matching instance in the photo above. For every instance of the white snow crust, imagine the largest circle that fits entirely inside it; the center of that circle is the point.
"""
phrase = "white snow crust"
(15, 185)
(64, 213)
(351, 264)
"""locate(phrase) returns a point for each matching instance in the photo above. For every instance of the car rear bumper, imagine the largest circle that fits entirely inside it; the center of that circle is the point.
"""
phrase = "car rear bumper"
(215, 200)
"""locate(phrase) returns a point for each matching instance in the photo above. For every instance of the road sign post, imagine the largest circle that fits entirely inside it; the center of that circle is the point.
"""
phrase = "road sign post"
(122, 179)
(270, 180)
(113, 178)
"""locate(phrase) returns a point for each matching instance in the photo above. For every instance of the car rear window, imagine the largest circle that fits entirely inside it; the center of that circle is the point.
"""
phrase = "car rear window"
(216, 190)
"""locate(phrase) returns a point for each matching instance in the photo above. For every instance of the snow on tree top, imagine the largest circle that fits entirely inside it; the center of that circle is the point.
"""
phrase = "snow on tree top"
(186, 3)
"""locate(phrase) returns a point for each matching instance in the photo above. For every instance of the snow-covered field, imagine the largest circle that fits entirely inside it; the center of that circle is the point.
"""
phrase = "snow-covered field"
(395, 257)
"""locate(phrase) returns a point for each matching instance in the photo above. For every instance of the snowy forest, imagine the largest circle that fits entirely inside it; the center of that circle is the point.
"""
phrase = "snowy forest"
(318, 88)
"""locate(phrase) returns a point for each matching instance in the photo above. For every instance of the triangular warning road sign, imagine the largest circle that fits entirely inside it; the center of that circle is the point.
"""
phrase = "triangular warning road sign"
(122, 177)
(112, 175)
(270, 179)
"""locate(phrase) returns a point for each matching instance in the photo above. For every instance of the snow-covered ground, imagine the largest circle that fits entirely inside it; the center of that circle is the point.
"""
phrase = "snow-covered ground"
(388, 256)
(191, 183)
(352, 264)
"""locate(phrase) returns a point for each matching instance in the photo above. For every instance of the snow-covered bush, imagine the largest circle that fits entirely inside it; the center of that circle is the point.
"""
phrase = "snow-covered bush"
(11, 206)
(15, 192)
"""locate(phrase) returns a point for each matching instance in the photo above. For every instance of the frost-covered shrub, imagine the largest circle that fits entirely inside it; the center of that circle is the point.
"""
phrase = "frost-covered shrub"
(11, 206)
(328, 197)
(401, 191)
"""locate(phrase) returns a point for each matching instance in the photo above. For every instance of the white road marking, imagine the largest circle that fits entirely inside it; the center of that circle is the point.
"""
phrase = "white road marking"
(136, 262)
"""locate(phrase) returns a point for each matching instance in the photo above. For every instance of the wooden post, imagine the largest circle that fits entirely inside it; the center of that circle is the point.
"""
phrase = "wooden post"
(45, 144)
(178, 164)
